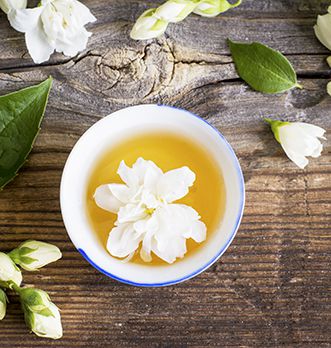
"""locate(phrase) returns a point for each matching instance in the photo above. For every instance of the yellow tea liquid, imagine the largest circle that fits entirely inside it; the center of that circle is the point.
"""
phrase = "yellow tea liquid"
(168, 151)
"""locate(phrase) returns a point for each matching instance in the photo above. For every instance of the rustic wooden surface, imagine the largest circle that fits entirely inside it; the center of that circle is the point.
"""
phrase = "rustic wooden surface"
(272, 287)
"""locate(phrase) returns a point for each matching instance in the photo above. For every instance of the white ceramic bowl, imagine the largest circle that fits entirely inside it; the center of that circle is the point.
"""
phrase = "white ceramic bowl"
(120, 125)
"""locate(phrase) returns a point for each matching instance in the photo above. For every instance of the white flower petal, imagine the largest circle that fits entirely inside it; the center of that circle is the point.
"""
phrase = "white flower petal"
(317, 151)
(151, 225)
(105, 199)
(175, 184)
(122, 192)
(50, 326)
(170, 10)
(71, 46)
(128, 176)
(194, 228)
(176, 223)
(25, 19)
(149, 200)
(131, 213)
(300, 160)
(294, 138)
(146, 171)
(39, 48)
(173, 249)
(151, 177)
(122, 240)
(311, 129)
(82, 13)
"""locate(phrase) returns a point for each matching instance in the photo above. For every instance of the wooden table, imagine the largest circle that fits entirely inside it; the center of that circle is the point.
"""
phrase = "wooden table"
(272, 287)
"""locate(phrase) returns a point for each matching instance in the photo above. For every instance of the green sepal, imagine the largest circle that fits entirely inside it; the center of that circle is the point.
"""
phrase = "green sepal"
(33, 299)
(27, 260)
(275, 125)
(19, 255)
(159, 24)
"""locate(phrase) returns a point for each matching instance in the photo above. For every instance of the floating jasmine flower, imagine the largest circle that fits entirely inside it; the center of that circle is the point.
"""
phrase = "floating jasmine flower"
(298, 140)
(55, 25)
(147, 216)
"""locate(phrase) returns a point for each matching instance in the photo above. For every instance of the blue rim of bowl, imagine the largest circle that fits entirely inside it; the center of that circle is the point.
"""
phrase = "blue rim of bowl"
(226, 245)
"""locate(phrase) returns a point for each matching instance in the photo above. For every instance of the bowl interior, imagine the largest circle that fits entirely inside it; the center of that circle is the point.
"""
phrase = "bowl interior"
(107, 133)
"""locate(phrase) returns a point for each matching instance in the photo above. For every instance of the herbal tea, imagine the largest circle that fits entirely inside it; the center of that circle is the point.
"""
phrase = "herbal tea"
(168, 151)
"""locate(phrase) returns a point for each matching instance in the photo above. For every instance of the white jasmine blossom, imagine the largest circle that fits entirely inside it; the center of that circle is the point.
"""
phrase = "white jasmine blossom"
(3, 304)
(299, 140)
(8, 5)
(153, 22)
(9, 272)
(32, 255)
(323, 29)
(146, 215)
(55, 25)
(41, 315)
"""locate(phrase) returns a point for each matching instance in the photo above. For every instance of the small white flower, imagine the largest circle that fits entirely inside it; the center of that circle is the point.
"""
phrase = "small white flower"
(3, 304)
(9, 272)
(41, 315)
(54, 25)
(146, 214)
(323, 29)
(299, 140)
(8, 5)
(32, 255)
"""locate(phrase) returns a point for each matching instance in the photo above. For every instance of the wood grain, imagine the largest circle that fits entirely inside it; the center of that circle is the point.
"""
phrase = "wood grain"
(272, 287)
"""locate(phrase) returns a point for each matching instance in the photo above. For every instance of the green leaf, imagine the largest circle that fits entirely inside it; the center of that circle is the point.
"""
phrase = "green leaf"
(21, 114)
(264, 69)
